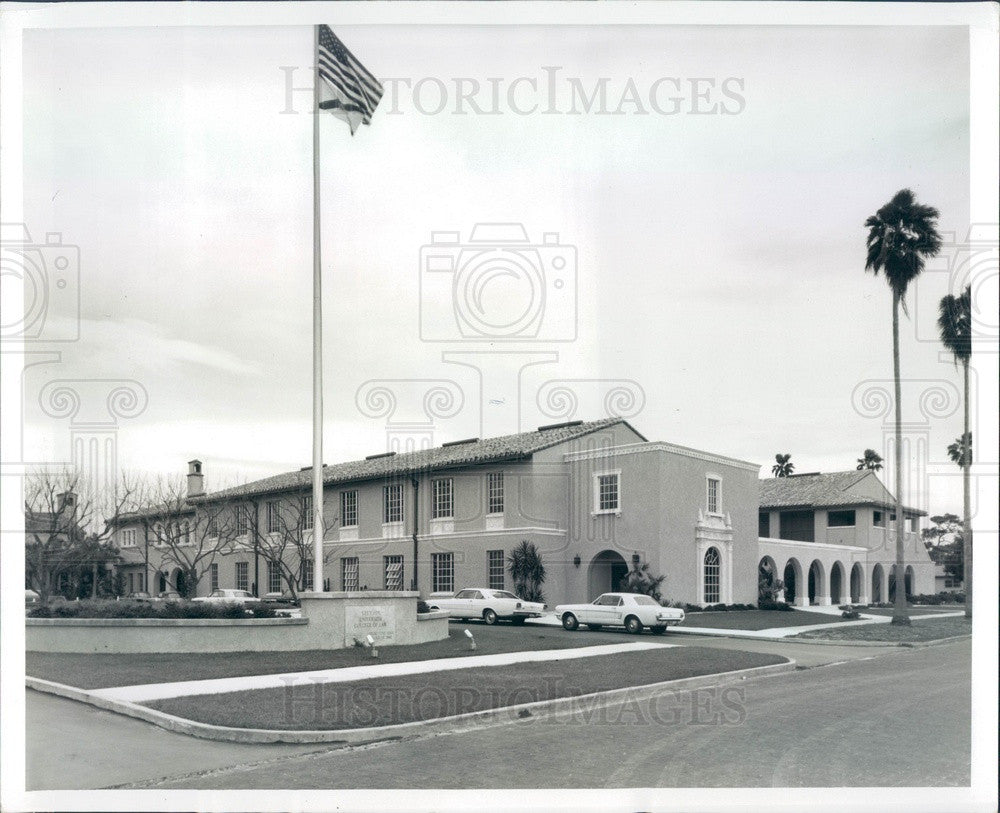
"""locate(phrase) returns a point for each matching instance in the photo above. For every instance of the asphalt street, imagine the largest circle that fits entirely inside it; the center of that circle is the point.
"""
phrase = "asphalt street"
(852, 716)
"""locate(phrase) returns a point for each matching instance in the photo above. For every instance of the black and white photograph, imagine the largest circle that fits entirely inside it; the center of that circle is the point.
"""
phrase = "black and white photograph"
(501, 406)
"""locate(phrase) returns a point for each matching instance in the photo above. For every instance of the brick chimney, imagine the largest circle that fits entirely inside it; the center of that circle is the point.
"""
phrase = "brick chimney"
(196, 480)
(67, 501)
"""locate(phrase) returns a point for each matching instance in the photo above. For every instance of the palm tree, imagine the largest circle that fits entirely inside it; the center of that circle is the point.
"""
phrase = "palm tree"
(783, 465)
(526, 571)
(955, 325)
(871, 460)
(901, 236)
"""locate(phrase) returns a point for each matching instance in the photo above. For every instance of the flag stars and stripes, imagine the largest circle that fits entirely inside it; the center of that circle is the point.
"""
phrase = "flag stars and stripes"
(347, 89)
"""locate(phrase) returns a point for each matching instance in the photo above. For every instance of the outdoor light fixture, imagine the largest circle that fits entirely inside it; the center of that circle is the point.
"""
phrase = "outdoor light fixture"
(371, 646)
(576, 561)
(636, 558)
(472, 641)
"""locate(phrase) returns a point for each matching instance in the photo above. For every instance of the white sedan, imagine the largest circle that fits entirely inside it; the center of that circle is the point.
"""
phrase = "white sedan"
(489, 605)
(227, 596)
(630, 610)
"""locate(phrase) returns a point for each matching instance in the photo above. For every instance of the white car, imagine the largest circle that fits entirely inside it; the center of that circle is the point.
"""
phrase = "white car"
(489, 605)
(630, 610)
(226, 596)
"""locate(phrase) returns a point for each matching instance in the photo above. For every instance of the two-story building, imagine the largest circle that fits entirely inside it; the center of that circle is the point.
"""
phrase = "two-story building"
(831, 538)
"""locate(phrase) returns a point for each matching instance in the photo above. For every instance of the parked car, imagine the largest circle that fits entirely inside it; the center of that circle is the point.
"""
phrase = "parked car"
(31, 597)
(227, 596)
(139, 595)
(630, 610)
(169, 595)
(489, 605)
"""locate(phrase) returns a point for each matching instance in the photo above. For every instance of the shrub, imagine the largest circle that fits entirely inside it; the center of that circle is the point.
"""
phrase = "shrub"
(718, 608)
(143, 609)
(422, 607)
(781, 606)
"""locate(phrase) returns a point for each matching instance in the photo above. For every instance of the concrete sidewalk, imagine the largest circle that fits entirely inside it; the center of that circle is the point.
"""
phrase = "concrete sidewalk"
(187, 688)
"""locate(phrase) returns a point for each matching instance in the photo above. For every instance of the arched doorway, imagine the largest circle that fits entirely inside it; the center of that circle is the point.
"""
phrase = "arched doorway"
(836, 583)
(180, 582)
(908, 582)
(857, 580)
(793, 580)
(767, 575)
(606, 572)
(162, 582)
(712, 577)
(878, 579)
(817, 581)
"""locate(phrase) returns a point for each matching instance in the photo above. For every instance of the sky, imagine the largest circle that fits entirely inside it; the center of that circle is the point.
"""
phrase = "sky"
(707, 278)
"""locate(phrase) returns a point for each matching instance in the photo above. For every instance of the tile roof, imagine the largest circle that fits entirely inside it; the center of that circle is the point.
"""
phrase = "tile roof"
(824, 490)
(488, 450)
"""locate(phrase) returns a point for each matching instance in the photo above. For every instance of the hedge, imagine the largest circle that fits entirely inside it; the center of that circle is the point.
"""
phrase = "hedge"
(149, 609)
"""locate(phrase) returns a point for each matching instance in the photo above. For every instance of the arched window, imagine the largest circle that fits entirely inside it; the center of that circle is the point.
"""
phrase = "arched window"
(712, 580)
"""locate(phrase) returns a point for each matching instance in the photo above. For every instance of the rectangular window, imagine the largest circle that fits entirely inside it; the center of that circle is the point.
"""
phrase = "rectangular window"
(878, 519)
(307, 512)
(494, 569)
(348, 509)
(393, 566)
(242, 575)
(713, 496)
(213, 528)
(306, 572)
(213, 573)
(131, 583)
(608, 492)
(242, 521)
(273, 517)
(140, 581)
(443, 505)
(349, 573)
(273, 578)
(764, 524)
(494, 493)
(839, 519)
(443, 572)
(392, 504)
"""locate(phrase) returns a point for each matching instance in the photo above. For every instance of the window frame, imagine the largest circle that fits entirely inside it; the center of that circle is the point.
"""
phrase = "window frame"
(495, 573)
(715, 510)
(712, 579)
(308, 520)
(443, 498)
(389, 502)
(443, 572)
(242, 576)
(494, 494)
(349, 508)
(617, 475)
(273, 576)
(213, 576)
(851, 511)
(391, 561)
(352, 563)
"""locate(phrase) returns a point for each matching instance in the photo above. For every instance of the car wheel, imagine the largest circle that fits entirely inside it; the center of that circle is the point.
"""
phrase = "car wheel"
(489, 616)
(594, 627)
(569, 622)
(633, 625)
(658, 630)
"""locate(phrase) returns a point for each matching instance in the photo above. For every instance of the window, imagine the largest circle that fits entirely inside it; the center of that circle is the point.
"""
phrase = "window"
(273, 517)
(273, 578)
(242, 520)
(213, 575)
(306, 572)
(307, 512)
(494, 569)
(128, 538)
(242, 575)
(442, 572)
(392, 504)
(608, 492)
(712, 581)
(213, 527)
(349, 509)
(349, 573)
(494, 493)
(714, 495)
(840, 519)
(131, 583)
(393, 566)
(443, 505)
(878, 519)
(140, 581)
(763, 524)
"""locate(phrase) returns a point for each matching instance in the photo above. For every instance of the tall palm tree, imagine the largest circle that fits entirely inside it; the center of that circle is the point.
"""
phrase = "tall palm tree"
(870, 460)
(783, 465)
(955, 325)
(901, 236)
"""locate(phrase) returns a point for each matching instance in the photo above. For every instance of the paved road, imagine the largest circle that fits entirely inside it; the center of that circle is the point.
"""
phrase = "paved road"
(829, 725)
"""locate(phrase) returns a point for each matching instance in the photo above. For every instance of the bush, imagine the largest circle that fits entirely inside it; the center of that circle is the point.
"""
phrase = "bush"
(718, 608)
(422, 607)
(781, 606)
(144, 609)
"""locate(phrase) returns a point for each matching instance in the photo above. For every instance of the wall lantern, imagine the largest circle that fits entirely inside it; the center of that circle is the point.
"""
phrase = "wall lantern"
(636, 559)
(576, 561)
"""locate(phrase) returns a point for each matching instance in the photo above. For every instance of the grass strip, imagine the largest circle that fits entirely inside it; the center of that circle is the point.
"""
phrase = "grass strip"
(757, 619)
(926, 629)
(409, 698)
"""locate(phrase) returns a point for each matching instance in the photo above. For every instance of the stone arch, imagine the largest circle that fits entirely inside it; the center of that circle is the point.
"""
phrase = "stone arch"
(908, 580)
(712, 576)
(836, 583)
(605, 573)
(817, 583)
(879, 595)
(767, 575)
(792, 577)
(857, 583)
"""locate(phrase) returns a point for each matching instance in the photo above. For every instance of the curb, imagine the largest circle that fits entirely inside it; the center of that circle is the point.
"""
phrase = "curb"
(904, 644)
(441, 725)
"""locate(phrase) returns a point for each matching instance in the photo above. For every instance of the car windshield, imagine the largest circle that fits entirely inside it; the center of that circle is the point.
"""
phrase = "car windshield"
(646, 601)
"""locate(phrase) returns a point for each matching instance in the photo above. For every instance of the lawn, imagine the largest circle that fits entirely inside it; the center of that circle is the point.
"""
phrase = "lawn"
(917, 609)
(757, 619)
(929, 629)
(409, 698)
(88, 671)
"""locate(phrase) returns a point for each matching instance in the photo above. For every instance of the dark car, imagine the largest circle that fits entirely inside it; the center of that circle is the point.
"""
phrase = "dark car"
(139, 595)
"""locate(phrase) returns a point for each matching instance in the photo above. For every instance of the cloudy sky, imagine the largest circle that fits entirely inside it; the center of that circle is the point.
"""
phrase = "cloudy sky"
(709, 212)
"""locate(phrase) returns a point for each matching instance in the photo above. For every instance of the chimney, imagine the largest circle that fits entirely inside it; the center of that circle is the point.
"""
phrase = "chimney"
(196, 480)
(67, 499)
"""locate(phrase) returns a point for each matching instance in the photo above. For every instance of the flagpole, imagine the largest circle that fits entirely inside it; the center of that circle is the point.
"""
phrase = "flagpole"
(317, 478)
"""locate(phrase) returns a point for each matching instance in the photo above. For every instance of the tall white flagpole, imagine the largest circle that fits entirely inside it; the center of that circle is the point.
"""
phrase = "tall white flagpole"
(317, 478)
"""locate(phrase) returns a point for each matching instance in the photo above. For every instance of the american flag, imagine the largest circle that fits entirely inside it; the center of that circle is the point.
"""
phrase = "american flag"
(347, 89)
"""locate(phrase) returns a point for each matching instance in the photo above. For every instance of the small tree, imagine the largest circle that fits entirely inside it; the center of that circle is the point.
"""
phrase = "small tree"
(871, 460)
(527, 571)
(945, 544)
(769, 587)
(640, 580)
(783, 465)
(279, 532)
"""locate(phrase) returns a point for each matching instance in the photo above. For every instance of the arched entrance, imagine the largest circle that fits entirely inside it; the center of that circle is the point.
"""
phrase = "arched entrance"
(836, 583)
(878, 579)
(793, 580)
(162, 582)
(817, 581)
(908, 581)
(606, 572)
(857, 581)
(180, 581)
(767, 575)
